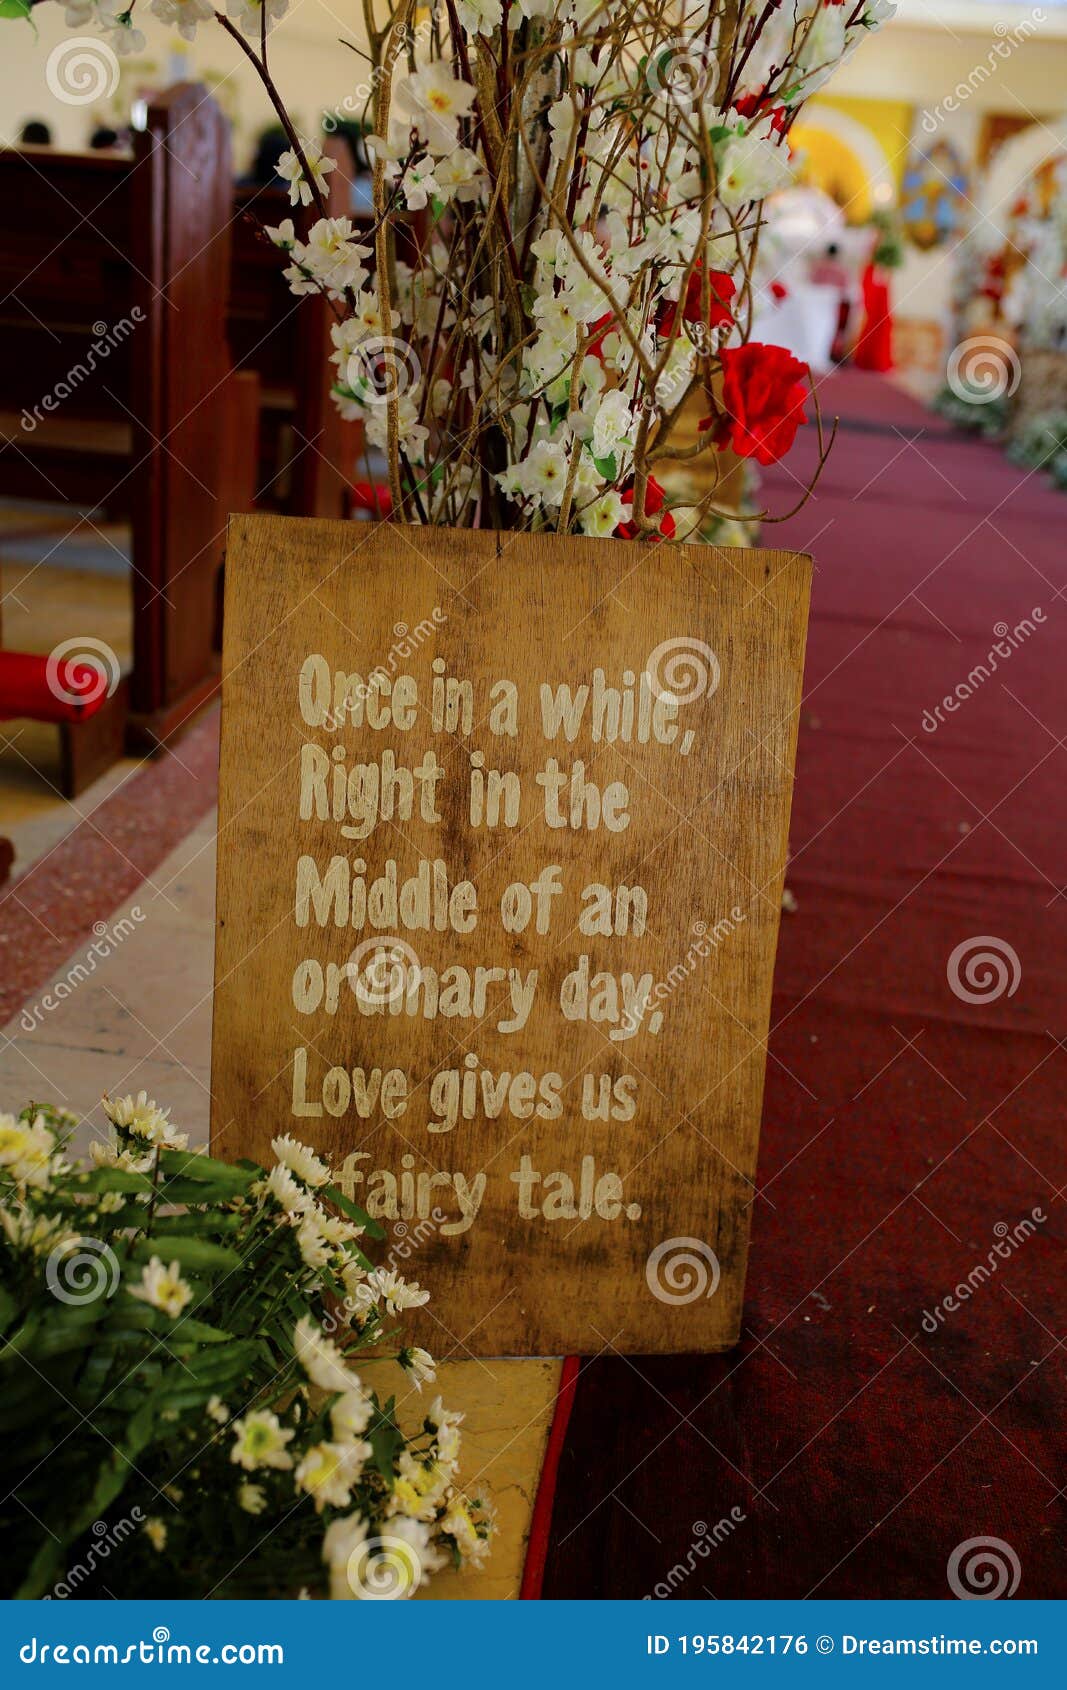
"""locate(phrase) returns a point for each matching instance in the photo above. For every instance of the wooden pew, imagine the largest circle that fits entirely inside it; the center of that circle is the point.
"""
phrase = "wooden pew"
(116, 385)
(308, 454)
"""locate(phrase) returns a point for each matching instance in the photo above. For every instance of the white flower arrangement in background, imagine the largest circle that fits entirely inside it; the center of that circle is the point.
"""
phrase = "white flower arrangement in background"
(568, 197)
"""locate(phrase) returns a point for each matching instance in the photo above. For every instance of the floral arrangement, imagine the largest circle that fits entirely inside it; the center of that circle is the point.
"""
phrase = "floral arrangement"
(565, 245)
(179, 1406)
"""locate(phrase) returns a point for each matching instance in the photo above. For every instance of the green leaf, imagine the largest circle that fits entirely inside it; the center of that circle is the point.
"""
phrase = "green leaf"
(607, 467)
(197, 1255)
(206, 1170)
(15, 9)
(385, 1438)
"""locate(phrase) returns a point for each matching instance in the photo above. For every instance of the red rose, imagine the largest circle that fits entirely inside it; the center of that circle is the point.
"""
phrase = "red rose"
(654, 497)
(763, 395)
(762, 105)
(721, 290)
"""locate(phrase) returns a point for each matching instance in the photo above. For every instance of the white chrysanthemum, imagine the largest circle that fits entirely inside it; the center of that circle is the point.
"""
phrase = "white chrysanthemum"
(419, 1366)
(419, 1488)
(294, 1199)
(329, 1471)
(26, 1151)
(351, 1414)
(320, 1357)
(142, 1118)
(302, 1161)
(340, 1541)
(260, 1440)
(163, 1288)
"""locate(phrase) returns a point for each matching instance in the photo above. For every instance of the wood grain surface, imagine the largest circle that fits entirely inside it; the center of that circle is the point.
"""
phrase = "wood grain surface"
(559, 1189)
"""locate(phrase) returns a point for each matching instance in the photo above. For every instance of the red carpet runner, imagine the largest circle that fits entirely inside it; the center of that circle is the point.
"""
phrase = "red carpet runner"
(844, 1450)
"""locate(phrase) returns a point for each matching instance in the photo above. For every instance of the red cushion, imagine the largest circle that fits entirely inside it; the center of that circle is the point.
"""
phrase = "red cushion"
(68, 690)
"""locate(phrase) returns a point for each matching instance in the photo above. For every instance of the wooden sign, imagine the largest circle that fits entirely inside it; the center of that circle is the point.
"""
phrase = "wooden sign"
(503, 825)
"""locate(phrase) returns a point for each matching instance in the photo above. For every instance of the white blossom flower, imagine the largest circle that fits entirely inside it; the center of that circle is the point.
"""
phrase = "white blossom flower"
(603, 515)
(436, 101)
(750, 167)
(260, 1440)
(289, 167)
(480, 17)
(183, 15)
(163, 1288)
(248, 16)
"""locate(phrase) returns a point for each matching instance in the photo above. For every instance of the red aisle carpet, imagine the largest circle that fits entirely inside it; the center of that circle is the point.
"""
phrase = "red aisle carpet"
(903, 1127)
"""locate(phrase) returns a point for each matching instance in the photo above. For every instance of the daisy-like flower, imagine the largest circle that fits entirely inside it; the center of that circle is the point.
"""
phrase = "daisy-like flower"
(142, 1118)
(260, 1440)
(40, 1234)
(329, 1471)
(298, 1158)
(419, 1365)
(110, 1156)
(445, 1424)
(216, 1410)
(291, 170)
(293, 1198)
(320, 1357)
(26, 1151)
(419, 1488)
(351, 1414)
(251, 1498)
(163, 1288)
(458, 1524)
(156, 1532)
